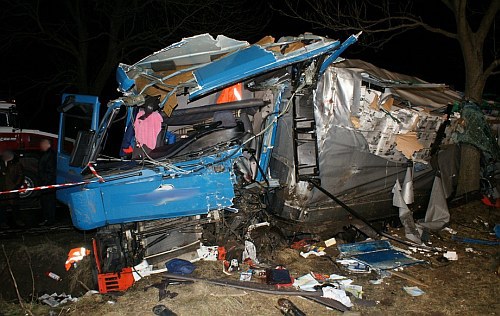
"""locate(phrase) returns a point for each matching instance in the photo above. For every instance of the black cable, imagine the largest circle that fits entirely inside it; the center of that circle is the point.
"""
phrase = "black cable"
(261, 170)
(363, 219)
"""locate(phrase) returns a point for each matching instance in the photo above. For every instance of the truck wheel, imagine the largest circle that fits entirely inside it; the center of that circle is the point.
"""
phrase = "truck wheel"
(30, 181)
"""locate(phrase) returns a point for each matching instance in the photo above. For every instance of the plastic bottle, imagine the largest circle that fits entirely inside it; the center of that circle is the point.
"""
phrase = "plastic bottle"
(54, 276)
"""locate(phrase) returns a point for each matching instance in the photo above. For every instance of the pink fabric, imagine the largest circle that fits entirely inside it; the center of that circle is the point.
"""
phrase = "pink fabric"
(146, 130)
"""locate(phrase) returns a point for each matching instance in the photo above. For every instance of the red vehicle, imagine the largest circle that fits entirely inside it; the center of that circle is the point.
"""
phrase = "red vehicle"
(24, 142)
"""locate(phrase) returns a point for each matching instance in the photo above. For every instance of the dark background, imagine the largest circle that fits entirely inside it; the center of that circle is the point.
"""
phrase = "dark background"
(26, 63)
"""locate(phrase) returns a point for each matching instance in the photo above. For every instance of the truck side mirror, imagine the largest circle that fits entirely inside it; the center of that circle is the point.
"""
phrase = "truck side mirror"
(68, 103)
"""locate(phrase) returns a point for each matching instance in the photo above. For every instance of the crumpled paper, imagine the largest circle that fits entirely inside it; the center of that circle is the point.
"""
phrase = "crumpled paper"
(338, 295)
(54, 299)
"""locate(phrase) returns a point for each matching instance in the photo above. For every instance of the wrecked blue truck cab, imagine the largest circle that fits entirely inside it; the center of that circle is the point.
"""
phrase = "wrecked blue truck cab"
(219, 135)
(220, 102)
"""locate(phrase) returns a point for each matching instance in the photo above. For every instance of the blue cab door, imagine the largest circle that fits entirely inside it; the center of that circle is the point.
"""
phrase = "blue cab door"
(77, 113)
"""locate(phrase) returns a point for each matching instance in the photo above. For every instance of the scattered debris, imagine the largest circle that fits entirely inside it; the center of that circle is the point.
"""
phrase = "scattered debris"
(209, 253)
(450, 230)
(75, 255)
(279, 277)
(288, 308)
(479, 220)
(379, 255)
(300, 244)
(451, 255)
(162, 289)
(475, 241)
(337, 294)
(317, 251)
(180, 266)
(330, 242)
(306, 283)
(162, 310)
(54, 276)
(250, 253)
(55, 299)
(333, 286)
(355, 290)
(413, 290)
(144, 269)
(230, 266)
(250, 286)
(354, 266)
(246, 276)
(311, 246)
(408, 278)
(377, 281)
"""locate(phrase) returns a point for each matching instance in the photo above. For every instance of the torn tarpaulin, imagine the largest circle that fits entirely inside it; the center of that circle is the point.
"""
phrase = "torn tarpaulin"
(405, 214)
(437, 215)
(407, 189)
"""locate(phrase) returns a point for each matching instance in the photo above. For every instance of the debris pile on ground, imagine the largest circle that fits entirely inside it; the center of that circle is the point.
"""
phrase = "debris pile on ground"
(369, 276)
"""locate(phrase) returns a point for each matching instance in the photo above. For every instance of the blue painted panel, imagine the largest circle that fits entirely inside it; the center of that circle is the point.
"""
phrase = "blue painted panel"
(237, 65)
(328, 61)
(124, 82)
(66, 173)
(379, 255)
(247, 63)
(386, 259)
(86, 209)
(156, 195)
(184, 196)
(362, 247)
(269, 138)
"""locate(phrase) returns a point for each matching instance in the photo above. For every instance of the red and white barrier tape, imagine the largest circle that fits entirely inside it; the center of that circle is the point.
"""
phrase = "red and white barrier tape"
(45, 187)
(55, 186)
(101, 179)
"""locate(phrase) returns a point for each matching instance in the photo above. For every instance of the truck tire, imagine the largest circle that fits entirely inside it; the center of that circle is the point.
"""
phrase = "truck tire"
(30, 181)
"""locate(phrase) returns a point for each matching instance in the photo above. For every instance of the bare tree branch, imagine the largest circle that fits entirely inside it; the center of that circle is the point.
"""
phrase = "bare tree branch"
(383, 20)
(95, 35)
(487, 20)
(355, 17)
(449, 4)
(432, 28)
(490, 70)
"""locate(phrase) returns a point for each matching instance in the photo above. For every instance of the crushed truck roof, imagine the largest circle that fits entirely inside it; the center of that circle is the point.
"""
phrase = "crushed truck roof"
(201, 64)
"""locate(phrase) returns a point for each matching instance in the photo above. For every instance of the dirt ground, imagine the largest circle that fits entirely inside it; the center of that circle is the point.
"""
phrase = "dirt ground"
(469, 286)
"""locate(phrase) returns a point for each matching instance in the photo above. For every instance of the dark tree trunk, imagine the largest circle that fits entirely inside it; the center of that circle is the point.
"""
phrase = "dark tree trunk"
(474, 73)
(472, 52)
(468, 177)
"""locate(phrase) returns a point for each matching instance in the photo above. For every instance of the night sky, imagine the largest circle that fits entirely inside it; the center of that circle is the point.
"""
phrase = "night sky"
(26, 64)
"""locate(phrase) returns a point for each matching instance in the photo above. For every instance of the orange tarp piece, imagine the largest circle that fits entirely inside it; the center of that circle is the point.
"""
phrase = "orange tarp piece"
(230, 94)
